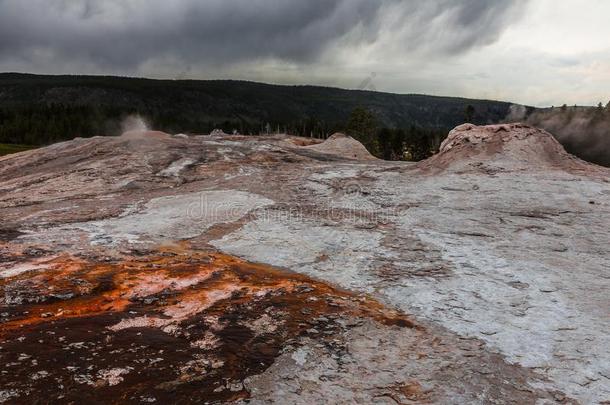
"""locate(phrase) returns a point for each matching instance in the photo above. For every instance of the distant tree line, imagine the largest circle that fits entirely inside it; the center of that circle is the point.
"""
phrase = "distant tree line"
(412, 143)
(42, 125)
(40, 110)
(46, 124)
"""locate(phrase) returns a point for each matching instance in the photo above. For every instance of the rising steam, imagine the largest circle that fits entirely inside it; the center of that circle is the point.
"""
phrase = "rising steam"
(583, 131)
(134, 123)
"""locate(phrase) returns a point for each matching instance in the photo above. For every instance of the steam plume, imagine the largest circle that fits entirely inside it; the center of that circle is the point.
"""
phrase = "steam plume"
(583, 131)
(134, 123)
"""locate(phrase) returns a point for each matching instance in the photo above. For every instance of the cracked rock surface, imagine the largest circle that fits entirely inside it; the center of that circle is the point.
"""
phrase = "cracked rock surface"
(148, 268)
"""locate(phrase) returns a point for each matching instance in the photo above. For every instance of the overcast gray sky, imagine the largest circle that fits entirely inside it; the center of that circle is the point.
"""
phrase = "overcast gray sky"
(539, 52)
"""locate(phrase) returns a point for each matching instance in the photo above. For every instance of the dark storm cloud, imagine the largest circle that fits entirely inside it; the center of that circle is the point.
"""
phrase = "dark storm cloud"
(478, 22)
(122, 34)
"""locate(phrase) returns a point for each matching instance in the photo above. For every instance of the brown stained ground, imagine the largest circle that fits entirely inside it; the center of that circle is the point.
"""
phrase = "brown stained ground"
(90, 317)
(174, 326)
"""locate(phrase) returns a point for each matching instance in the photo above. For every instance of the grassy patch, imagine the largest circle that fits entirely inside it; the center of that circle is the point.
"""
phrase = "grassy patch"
(7, 148)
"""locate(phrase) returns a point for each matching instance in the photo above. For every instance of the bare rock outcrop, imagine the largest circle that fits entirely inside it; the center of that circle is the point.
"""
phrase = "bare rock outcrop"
(344, 146)
(505, 147)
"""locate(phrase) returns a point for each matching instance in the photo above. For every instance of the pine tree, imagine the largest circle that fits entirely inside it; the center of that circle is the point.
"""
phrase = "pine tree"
(362, 125)
(469, 113)
(385, 143)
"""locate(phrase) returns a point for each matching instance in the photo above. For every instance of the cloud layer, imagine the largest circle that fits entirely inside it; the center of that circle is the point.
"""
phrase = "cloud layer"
(120, 35)
(503, 49)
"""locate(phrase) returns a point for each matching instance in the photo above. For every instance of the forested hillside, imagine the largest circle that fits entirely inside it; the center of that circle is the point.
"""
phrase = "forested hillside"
(44, 109)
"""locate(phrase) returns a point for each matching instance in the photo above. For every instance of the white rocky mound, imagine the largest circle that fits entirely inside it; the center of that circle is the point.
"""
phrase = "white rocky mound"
(344, 146)
(505, 147)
